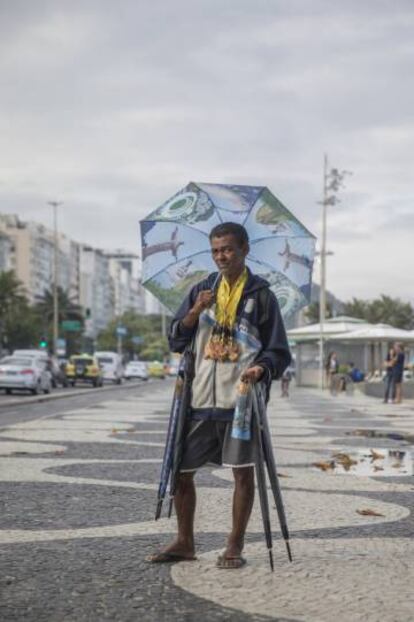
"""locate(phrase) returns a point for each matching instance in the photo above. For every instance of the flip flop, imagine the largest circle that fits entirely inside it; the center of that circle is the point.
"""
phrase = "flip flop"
(230, 562)
(165, 558)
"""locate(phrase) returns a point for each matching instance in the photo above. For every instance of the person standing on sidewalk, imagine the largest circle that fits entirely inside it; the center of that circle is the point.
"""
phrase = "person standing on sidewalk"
(332, 369)
(238, 336)
(285, 382)
(389, 378)
(398, 371)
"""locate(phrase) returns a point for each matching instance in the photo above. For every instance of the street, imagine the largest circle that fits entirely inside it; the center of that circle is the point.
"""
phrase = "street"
(78, 478)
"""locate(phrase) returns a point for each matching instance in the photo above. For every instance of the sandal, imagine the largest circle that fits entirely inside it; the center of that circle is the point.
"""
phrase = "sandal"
(165, 558)
(230, 562)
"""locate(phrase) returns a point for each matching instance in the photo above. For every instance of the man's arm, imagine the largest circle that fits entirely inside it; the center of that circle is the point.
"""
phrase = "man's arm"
(185, 321)
(275, 356)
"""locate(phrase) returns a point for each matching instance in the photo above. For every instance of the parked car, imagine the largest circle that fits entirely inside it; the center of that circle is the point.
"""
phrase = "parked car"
(156, 369)
(136, 369)
(32, 353)
(25, 372)
(111, 365)
(83, 368)
(52, 363)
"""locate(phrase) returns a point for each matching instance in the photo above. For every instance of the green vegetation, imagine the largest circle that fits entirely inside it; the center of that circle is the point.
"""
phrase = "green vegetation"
(148, 328)
(382, 310)
(312, 312)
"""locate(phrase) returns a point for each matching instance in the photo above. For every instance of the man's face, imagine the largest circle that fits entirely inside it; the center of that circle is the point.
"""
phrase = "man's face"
(228, 255)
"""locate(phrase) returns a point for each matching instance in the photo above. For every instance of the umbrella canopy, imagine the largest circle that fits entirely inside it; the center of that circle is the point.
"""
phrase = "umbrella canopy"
(375, 333)
(176, 249)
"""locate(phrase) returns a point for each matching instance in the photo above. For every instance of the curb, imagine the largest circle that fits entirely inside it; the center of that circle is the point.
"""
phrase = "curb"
(70, 393)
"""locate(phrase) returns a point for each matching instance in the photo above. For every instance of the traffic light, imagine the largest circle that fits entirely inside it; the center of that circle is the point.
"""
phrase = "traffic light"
(43, 343)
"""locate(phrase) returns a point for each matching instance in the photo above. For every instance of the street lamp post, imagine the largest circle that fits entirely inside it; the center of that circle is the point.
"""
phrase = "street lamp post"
(55, 205)
(333, 180)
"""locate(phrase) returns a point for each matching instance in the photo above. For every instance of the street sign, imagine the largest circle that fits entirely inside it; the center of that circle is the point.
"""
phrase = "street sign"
(136, 340)
(121, 331)
(71, 325)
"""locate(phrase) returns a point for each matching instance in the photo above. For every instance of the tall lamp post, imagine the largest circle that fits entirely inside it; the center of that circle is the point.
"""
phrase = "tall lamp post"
(333, 180)
(55, 205)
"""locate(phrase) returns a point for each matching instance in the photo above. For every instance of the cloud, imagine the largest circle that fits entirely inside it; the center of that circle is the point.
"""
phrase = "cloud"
(112, 107)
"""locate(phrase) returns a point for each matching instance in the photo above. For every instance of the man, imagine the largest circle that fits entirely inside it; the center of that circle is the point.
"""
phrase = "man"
(238, 335)
(398, 372)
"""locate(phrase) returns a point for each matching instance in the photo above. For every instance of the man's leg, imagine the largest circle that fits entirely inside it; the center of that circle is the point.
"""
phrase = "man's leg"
(242, 507)
(185, 503)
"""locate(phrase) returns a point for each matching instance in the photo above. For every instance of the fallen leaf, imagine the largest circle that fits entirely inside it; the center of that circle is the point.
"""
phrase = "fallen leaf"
(369, 513)
(283, 475)
(377, 468)
(345, 460)
(59, 452)
(396, 465)
(324, 466)
(376, 456)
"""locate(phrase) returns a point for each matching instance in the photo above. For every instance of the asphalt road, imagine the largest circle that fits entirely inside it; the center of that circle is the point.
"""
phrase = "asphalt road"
(21, 406)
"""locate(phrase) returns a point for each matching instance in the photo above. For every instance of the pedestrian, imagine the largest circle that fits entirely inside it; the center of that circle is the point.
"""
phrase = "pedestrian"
(332, 369)
(397, 372)
(389, 362)
(285, 381)
(238, 337)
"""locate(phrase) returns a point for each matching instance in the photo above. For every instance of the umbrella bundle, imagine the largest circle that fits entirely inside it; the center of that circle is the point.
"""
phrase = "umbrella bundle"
(265, 458)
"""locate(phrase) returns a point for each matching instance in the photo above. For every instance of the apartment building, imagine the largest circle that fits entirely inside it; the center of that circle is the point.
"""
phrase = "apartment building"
(124, 270)
(105, 284)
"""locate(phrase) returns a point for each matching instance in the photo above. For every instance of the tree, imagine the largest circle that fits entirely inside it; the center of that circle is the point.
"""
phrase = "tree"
(383, 310)
(12, 294)
(18, 324)
(67, 310)
(147, 327)
(312, 312)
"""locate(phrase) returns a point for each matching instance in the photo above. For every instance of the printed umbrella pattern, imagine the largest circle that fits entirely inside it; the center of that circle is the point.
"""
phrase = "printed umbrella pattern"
(176, 249)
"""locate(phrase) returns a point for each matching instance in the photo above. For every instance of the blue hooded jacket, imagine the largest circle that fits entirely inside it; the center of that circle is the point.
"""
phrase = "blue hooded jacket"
(260, 334)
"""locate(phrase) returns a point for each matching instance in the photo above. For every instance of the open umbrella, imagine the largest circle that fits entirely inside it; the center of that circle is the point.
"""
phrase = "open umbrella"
(176, 248)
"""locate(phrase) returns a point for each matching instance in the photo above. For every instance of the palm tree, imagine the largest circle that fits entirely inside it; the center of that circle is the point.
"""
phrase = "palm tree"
(68, 310)
(15, 326)
(12, 295)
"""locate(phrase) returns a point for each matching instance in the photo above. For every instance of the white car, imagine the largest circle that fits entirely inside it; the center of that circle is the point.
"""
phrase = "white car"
(136, 369)
(25, 373)
(111, 365)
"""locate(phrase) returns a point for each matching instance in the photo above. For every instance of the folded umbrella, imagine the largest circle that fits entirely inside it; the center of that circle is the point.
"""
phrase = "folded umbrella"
(266, 452)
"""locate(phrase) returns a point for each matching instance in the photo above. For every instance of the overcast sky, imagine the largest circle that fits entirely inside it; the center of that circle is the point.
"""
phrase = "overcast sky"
(112, 107)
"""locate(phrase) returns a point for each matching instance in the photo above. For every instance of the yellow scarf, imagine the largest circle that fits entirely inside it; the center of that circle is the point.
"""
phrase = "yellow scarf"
(228, 299)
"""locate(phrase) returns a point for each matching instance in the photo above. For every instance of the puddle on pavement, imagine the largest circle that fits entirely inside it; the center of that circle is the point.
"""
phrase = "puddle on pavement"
(393, 436)
(370, 462)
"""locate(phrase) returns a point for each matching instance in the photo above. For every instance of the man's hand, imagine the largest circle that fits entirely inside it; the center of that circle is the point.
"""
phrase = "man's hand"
(203, 301)
(252, 374)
